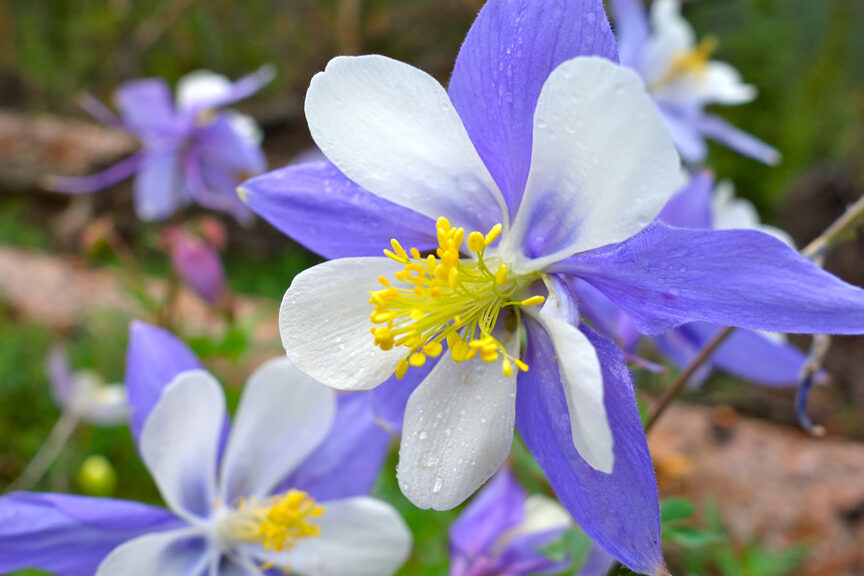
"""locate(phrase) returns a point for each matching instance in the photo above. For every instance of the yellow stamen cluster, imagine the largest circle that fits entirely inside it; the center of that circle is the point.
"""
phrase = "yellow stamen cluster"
(276, 523)
(691, 63)
(441, 297)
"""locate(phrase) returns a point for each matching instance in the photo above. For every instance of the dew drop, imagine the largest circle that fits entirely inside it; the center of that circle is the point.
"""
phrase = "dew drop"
(437, 486)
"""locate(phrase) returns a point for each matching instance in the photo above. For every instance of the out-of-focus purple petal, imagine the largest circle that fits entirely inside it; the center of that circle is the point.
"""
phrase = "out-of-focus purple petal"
(239, 90)
(750, 355)
(221, 143)
(664, 277)
(316, 205)
(716, 128)
(524, 555)
(349, 460)
(70, 535)
(497, 508)
(679, 347)
(619, 511)
(146, 105)
(213, 187)
(100, 180)
(507, 56)
(690, 207)
(598, 563)
(61, 376)
(389, 399)
(199, 266)
(630, 20)
(689, 141)
(158, 189)
(153, 358)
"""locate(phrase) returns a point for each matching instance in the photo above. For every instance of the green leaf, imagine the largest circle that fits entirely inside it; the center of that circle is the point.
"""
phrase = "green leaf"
(689, 537)
(675, 509)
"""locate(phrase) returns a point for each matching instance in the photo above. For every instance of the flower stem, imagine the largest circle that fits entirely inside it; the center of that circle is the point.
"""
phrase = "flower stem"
(47, 453)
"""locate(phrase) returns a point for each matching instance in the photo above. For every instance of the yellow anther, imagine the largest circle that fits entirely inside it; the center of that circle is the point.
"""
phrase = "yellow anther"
(533, 301)
(401, 369)
(398, 249)
(433, 349)
(476, 242)
(493, 234)
(453, 278)
(501, 275)
(276, 523)
(520, 364)
(440, 297)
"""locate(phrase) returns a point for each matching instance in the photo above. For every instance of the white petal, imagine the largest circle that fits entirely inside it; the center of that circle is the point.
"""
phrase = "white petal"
(722, 84)
(197, 88)
(325, 323)
(392, 129)
(283, 416)
(457, 432)
(359, 537)
(105, 405)
(582, 379)
(178, 552)
(543, 514)
(180, 442)
(603, 163)
(671, 37)
(732, 213)
(246, 126)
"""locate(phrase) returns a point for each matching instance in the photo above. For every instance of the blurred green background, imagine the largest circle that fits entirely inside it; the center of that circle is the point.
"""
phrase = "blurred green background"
(805, 56)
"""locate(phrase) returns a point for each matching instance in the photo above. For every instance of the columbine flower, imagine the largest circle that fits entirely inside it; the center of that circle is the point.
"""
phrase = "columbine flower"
(191, 151)
(683, 79)
(278, 492)
(83, 394)
(546, 161)
(762, 357)
(503, 530)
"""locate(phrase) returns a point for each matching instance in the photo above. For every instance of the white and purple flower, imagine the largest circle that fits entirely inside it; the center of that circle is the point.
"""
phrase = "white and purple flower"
(551, 162)
(83, 395)
(503, 531)
(284, 489)
(683, 80)
(191, 150)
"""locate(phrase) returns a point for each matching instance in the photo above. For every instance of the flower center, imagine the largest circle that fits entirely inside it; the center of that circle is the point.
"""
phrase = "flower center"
(690, 63)
(276, 523)
(444, 298)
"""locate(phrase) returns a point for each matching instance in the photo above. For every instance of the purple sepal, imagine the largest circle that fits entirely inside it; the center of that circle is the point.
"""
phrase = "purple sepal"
(630, 22)
(153, 358)
(349, 460)
(316, 205)
(70, 535)
(504, 62)
(390, 398)
(497, 508)
(747, 355)
(598, 563)
(717, 129)
(691, 206)
(665, 277)
(619, 511)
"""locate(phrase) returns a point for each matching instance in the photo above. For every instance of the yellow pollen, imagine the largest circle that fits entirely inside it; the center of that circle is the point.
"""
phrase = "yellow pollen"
(442, 297)
(691, 63)
(276, 523)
